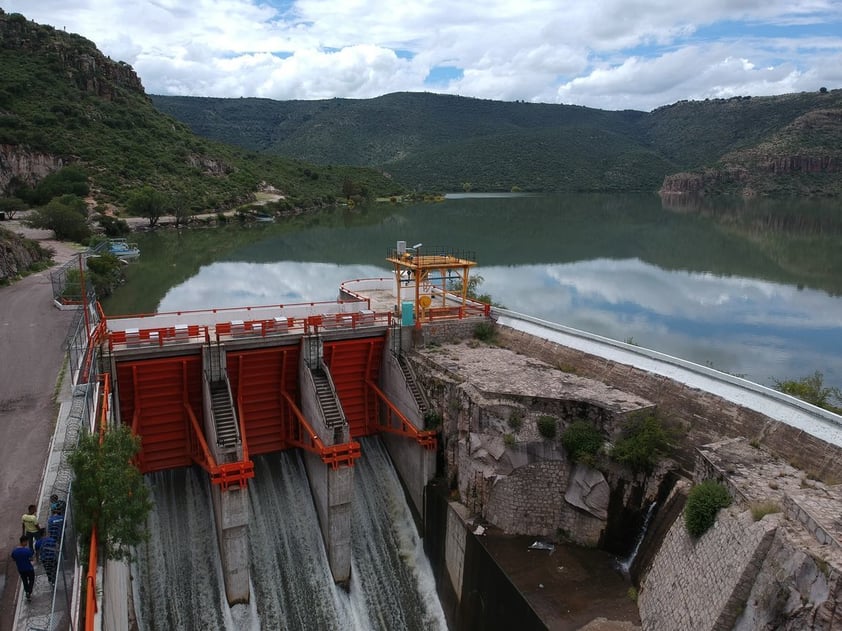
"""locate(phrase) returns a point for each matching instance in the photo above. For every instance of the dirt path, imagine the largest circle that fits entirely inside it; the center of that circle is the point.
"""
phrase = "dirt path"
(32, 332)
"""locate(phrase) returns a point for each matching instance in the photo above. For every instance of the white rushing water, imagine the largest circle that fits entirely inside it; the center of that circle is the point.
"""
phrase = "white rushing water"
(179, 583)
(625, 564)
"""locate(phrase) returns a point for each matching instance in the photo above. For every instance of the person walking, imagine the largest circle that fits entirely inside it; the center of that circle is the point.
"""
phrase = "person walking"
(55, 524)
(31, 528)
(47, 550)
(23, 559)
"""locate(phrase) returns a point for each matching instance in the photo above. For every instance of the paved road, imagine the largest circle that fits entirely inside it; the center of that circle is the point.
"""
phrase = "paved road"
(32, 333)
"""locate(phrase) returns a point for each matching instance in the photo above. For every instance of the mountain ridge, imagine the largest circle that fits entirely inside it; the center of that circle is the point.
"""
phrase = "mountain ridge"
(395, 132)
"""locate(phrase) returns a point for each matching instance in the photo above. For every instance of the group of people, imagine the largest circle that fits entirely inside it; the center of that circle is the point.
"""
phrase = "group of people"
(41, 543)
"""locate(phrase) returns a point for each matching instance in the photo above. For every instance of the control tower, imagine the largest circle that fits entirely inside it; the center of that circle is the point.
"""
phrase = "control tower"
(434, 280)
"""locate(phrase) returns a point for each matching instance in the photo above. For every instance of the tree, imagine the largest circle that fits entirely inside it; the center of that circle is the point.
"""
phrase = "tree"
(11, 206)
(350, 188)
(109, 493)
(64, 217)
(149, 203)
(179, 205)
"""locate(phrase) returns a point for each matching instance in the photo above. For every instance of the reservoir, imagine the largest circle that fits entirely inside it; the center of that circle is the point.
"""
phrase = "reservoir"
(726, 288)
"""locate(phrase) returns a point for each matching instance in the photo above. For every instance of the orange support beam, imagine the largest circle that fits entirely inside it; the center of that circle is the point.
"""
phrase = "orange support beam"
(225, 475)
(333, 455)
(425, 438)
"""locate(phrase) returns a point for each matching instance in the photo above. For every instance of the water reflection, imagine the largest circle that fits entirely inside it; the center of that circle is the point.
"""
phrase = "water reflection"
(756, 328)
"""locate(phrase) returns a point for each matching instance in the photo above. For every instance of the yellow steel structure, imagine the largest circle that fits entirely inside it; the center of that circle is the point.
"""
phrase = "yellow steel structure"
(432, 278)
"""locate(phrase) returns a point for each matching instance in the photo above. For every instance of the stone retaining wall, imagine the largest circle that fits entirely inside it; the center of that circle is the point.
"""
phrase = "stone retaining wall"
(700, 416)
(704, 584)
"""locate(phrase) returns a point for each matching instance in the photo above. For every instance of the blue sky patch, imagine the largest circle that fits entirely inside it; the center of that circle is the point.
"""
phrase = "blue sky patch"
(440, 75)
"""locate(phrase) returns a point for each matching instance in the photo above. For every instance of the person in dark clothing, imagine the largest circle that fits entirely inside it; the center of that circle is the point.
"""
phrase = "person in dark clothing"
(55, 524)
(56, 504)
(47, 550)
(23, 559)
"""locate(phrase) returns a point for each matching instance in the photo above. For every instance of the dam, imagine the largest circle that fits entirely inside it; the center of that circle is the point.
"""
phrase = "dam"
(236, 443)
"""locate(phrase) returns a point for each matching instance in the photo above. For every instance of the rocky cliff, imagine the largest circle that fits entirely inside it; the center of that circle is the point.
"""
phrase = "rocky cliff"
(78, 57)
(802, 159)
(23, 157)
(18, 255)
(20, 165)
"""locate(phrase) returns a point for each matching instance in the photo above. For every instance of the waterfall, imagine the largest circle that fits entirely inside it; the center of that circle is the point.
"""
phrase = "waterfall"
(179, 580)
(625, 564)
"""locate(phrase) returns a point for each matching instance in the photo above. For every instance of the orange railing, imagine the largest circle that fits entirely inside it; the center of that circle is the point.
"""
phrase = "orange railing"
(161, 336)
(425, 438)
(333, 455)
(90, 584)
(90, 577)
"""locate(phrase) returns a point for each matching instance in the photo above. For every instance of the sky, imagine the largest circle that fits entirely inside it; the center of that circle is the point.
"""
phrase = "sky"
(608, 54)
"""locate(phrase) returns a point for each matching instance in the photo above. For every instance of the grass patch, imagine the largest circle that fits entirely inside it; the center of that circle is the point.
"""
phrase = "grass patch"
(759, 510)
(485, 332)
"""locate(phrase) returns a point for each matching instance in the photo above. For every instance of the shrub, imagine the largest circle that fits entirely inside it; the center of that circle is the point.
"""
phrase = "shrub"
(509, 440)
(643, 443)
(484, 331)
(582, 441)
(812, 390)
(114, 226)
(515, 420)
(703, 503)
(432, 420)
(547, 427)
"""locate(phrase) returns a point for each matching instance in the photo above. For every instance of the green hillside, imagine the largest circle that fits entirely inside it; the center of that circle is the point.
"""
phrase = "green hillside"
(63, 102)
(439, 142)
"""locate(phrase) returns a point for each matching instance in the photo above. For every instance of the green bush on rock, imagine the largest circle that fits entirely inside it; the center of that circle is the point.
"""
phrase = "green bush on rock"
(582, 441)
(703, 504)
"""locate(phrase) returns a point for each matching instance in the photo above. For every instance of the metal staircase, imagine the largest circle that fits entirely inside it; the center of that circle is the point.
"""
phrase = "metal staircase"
(327, 399)
(411, 384)
(227, 434)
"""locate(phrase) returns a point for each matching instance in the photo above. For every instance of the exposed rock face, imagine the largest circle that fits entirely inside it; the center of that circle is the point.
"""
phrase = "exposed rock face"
(22, 166)
(18, 254)
(787, 162)
(588, 489)
(209, 166)
(698, 184)
(92, 71)
(505, 470)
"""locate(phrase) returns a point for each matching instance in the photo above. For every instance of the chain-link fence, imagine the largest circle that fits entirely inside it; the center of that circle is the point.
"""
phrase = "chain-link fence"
(75, 418)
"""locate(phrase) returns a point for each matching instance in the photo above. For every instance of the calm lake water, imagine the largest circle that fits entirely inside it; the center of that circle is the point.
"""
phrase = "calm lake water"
(757, 296)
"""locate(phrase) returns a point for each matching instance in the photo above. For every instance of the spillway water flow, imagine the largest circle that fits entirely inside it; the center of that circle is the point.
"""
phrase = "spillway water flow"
(625, 564)
(179, 580)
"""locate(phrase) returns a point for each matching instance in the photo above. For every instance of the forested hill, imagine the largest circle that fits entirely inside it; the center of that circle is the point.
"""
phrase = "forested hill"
(63, 102)
(442, 142)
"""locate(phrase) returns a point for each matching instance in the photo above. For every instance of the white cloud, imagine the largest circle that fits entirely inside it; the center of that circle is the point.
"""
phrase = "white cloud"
(611, 54)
